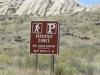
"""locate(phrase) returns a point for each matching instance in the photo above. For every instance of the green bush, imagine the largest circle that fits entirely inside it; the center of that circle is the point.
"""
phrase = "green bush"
(5, 59)
(19, 62)
(28, 61)
(7, 72)
(59, 69)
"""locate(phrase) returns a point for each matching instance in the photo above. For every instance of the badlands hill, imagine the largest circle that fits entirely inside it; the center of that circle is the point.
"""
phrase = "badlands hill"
(42, 7)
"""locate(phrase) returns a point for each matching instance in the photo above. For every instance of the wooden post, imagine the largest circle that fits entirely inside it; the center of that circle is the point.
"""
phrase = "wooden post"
(36, 61)
(52, 62)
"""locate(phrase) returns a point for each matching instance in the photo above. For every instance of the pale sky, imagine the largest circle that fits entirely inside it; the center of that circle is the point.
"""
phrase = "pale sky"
(89, 1)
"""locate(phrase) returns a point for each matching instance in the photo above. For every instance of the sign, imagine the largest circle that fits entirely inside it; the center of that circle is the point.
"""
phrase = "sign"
(44, 37)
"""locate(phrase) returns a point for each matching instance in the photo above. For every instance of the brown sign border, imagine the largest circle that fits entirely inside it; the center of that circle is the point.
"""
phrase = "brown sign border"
(58, 37)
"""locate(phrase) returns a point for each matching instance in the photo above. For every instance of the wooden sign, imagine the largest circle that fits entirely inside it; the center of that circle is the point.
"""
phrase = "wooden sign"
(44, 37)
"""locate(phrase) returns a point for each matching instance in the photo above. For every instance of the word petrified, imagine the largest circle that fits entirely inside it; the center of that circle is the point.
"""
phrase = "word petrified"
(44, 36)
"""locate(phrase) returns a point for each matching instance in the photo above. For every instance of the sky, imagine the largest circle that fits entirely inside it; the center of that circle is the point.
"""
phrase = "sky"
(89, 1)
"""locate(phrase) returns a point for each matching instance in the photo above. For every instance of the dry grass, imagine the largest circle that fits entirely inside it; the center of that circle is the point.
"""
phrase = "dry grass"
(78, 55)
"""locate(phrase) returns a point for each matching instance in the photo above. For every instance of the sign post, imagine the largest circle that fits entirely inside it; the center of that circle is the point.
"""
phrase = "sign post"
(52, 59)
(36, 61)
(44, 39)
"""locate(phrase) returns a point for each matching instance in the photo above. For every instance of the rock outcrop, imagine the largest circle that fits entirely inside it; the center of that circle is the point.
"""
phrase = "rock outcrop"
(40, 7)
(4, 5)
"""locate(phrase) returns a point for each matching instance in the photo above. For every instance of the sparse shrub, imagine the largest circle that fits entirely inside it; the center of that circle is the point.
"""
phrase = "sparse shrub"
(71, 70)
(19, 62)
(9, 73)
(5, 59)
(59, 69)
(43, 65)
(89, 70)
(28, 61)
